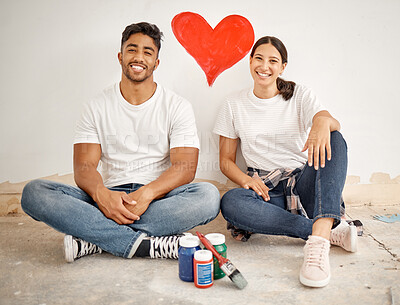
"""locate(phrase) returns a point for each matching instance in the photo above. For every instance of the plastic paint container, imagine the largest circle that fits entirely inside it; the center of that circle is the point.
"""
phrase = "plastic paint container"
(203, 269)
(188, 245)
(218, 241)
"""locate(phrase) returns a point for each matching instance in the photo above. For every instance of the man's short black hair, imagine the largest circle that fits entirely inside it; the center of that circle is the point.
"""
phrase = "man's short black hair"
(145, 28)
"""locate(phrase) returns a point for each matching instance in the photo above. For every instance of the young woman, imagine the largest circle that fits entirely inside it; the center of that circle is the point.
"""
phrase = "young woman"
(285, 191)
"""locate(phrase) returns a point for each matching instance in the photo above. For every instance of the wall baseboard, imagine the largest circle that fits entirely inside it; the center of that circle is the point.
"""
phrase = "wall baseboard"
(381, 191)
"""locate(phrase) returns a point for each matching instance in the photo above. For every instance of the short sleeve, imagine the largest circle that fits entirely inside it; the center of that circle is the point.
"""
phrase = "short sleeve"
(310, 106)
(183, 131)
(85, 130)
(224, 125)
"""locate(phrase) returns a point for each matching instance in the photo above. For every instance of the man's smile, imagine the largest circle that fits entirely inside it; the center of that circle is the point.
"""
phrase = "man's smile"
(137, 68)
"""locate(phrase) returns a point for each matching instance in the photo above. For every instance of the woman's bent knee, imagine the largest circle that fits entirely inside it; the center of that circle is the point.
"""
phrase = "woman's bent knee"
(338, 145)
(233, 198)
(338, 139)
(236, 195)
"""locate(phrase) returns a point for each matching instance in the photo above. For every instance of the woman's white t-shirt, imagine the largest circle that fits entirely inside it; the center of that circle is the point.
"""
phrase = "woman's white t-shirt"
(273, 131)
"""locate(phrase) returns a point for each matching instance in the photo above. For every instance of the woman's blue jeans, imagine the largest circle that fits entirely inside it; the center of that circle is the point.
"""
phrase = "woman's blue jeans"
(320, 193)
(71, 211)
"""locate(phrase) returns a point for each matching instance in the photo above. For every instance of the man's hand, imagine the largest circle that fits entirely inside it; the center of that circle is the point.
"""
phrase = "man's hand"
(255, 183)
(143, 197)
(114, 205)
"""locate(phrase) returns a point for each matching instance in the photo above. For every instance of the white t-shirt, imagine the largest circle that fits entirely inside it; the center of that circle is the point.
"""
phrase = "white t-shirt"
(136, 139)
(273, 131)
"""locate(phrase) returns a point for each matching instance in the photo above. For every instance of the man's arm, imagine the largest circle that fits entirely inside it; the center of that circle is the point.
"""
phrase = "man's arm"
(182, 171)
(111, 203)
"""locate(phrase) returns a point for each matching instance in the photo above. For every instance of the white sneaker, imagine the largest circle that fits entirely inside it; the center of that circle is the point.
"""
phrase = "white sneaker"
(75, 248)
(344, 236)
(315, 271)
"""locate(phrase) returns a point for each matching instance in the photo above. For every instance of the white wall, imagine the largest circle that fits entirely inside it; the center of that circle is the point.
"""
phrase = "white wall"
(55, 55)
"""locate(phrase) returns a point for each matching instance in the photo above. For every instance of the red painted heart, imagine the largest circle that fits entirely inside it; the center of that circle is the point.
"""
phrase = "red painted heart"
(215, 50)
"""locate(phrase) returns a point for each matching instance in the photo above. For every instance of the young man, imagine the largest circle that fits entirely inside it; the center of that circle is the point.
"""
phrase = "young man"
(146, 139)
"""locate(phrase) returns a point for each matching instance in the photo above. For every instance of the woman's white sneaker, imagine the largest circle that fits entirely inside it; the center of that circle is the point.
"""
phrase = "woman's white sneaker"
(316, 271)
(344, 236)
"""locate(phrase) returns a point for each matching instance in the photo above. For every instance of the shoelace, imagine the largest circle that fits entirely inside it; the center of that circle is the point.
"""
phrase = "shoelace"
(337, 238)
(86, 248)
(164, 247)
(315, 254)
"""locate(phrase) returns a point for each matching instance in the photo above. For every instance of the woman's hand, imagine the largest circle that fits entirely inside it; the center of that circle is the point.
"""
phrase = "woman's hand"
(319, 139)
(255, 183)
(227, 157)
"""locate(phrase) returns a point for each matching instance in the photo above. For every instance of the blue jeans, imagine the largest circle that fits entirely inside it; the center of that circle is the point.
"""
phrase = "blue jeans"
(72, 211)
(319, 190)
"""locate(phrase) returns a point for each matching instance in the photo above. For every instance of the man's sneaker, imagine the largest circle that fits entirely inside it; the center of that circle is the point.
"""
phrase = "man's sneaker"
(75, 248)
(344, 236)
(315, 271)
(164, 246)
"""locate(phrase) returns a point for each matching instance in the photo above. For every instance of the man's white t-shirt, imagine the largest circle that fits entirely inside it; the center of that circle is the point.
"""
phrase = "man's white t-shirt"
(273, 131)
(136, 139)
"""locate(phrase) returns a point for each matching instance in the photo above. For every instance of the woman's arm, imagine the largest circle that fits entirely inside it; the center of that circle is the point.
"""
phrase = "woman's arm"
(227, 158)
(319, 139)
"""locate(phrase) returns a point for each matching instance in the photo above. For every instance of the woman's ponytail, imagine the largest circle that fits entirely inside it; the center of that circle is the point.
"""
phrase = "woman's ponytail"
(286, 88)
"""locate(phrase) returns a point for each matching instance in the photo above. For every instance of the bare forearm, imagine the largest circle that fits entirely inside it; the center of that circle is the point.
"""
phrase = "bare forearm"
(89, 180)
(178, 174)
(110, 203)
(86, 160)
(233, 172)
(328, 119)
(334, 124)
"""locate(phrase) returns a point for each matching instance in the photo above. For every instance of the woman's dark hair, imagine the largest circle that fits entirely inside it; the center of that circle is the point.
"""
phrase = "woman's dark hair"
(145, 28)
(286, 88)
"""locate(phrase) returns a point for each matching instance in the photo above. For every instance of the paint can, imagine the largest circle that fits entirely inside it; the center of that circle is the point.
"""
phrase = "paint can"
(203, 269)
(218, 241)
(188, 245)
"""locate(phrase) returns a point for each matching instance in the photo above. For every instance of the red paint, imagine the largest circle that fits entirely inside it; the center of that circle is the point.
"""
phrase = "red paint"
(215, 50)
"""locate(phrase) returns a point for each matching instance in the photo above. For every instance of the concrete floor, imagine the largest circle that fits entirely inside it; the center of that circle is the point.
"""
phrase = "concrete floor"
(33, 270)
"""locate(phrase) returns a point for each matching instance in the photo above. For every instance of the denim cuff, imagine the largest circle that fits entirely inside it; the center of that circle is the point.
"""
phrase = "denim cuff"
(136, 244)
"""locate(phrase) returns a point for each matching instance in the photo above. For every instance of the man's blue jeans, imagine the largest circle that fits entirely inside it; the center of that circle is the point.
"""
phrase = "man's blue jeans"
(71, 211)
(319, 190)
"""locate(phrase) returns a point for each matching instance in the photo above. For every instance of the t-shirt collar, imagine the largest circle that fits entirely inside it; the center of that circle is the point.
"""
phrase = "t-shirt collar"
(147, 103)
(256, 99)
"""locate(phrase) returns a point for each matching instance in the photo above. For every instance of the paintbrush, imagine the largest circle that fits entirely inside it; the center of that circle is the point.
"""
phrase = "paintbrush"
(225, 264)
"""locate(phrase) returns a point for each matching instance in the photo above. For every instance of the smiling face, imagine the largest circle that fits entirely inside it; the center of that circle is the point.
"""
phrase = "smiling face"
(266, 66)
(138, 58)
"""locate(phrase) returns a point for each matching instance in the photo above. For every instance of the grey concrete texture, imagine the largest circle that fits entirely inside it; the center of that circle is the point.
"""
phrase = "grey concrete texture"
(33, 269)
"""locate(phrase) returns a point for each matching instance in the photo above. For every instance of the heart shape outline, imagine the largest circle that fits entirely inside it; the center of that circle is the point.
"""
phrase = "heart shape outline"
(215, 50)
